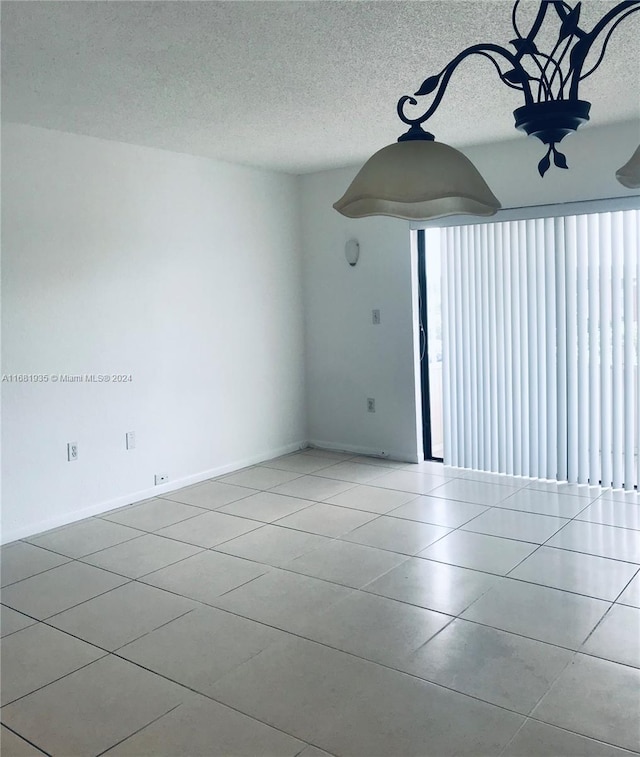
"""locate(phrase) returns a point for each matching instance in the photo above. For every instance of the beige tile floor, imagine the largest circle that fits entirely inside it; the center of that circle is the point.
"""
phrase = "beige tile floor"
(330, 604)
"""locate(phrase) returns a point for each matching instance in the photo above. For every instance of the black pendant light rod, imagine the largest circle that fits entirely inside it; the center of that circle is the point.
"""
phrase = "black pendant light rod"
(549, 82)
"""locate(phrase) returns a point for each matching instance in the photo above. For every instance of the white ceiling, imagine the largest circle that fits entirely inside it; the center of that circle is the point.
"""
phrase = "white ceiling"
(291, 86)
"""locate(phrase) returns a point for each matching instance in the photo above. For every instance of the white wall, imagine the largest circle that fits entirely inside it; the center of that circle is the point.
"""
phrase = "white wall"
(184, 273)
(349, 359)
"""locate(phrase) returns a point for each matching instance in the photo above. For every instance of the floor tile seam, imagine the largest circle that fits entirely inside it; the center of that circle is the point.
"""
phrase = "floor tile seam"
(376, 516)
(580, 552)
(529, 512)
(259, 524)
(456, 616)
(431, 523)
(180, 502)
(296, 475)
(353, 485)
(573, 650)
(137, 638)
(21, 612)
(593, 630)
(635, 576)
(111, 546)
(270, 522)
(146, 725)
(591, 554)
(610, 525)
(60, 678)
(513, 738)
(41, 620)
(566, 525)
(522, 580)
(601, 656)
(393, 551)
(221, 702)
(24, 738)
(168, 565)
(202, 604)
(326, 646)
(512, 538)
(579, 733)
(428, 493)
(300, 634)
(552, 683)
(242, 585)
(78, 557)
(308, 744)
(203, 510)
(218, 511)
(318, 474)
(35, 536)
(42, 572)
(342, 585)
(589, 497)
(556, 588)
(290, 470)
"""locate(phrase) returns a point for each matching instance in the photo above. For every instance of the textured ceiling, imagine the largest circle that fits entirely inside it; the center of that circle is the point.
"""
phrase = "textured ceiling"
(292, 86)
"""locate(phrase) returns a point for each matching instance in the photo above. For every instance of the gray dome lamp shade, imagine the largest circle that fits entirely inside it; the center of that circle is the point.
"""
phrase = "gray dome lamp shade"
(417, 179)
(629, 174)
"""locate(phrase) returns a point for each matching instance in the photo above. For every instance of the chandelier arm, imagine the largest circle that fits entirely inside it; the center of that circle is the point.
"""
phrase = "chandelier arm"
(558, 70)
(582, 49)
(563, 9)
(606, 42)
(447, 72)
(533, 32)
(550, 59)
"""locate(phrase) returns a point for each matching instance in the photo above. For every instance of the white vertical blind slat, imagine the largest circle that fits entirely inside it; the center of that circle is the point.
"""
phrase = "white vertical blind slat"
(550, 346)
(629, 253)
(617, 353)
(561, 351)
(582, 301)
(492, 462)
(593, 242)
(571, 297)
(488, 377)
(508, 352)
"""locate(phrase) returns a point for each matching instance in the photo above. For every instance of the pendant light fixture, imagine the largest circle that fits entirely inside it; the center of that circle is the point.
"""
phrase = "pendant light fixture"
(629, 174)
(418, 178)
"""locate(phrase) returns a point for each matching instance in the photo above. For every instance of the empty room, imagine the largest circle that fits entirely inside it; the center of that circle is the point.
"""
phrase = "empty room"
(320, 378)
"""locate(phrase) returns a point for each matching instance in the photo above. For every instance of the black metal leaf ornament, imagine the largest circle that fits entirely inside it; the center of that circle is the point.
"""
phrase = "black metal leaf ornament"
(524, 46)
(428, 85)
(544, 164)
(570, 23)
(516, 76)
(559, 159)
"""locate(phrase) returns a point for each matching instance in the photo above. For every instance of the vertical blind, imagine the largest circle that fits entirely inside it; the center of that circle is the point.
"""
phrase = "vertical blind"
(540, 347)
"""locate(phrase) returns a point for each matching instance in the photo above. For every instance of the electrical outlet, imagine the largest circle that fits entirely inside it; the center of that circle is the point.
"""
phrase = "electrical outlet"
(131, 439)
(375, 317)
(72, 451)
(371, 405)
(161, 478)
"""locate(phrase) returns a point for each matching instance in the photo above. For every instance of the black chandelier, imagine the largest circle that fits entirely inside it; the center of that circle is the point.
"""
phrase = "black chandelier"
(418, 178)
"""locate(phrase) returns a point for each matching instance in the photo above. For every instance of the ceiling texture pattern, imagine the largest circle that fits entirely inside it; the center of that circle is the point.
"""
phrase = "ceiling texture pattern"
(291, 86)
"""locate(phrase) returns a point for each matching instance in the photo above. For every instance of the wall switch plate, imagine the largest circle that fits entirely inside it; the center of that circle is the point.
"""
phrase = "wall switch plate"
(131, 439)
(161, 478)
(375, 317)
(72, 451)
(371, 405)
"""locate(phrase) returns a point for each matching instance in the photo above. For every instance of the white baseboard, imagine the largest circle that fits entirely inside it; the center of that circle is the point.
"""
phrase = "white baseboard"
(139, 496)
(403, 457)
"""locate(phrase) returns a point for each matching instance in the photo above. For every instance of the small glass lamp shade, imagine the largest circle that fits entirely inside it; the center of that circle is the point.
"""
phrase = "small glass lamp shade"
(629, 174)
(417, 180)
